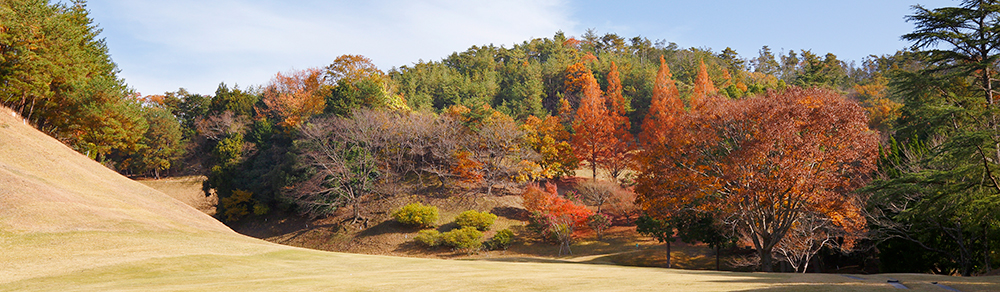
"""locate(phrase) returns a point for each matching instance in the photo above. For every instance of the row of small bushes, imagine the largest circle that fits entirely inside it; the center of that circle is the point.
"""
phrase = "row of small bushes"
(465, 238)
(419, 215)
(468, 236)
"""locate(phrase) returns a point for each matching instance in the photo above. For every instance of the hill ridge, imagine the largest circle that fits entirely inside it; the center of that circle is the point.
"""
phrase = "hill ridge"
(47, 187)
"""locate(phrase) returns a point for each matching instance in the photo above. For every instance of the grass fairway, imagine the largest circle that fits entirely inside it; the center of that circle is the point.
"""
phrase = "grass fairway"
(69, 224)
(117, 261)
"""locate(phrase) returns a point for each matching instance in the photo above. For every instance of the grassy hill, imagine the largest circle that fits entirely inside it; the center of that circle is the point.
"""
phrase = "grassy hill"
(69, 224)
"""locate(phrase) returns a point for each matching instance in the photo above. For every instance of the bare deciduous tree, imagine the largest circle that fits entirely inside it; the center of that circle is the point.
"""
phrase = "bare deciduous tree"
(344, 165)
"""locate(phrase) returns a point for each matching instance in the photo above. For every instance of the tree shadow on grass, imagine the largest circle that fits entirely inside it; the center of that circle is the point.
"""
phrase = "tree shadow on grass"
(386, 227)
(526, 260)
(511, 213)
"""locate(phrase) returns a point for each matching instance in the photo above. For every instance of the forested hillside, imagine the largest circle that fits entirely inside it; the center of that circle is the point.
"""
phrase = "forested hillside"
(791, 153)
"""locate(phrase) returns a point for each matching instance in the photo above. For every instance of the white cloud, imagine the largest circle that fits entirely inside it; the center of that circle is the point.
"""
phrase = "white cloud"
(163, 45)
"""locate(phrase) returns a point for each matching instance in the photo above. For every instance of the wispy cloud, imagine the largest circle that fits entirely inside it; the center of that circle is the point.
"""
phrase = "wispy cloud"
(163, 45)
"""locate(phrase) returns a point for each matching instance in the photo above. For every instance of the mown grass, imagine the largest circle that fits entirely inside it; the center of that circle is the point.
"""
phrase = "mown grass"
(69, 224)
(220, 262)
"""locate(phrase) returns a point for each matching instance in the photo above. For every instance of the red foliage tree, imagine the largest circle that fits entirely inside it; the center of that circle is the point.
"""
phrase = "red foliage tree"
(761, 163)
(561, 216)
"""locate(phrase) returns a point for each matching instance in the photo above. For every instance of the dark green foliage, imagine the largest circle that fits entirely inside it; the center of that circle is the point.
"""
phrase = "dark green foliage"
(939, 187)
(661, 230)
(467, 238)
(417, 214)
(502, 240)
(160, 146)
(898, 255)
(598, 222)
(540, 224)
(187, 108)
(479, 220)
(347, 96)
(694, 226)
(57, 73)
(521, 91)
(468, 78)
(248, 152)
(820, 72)
(239, 102)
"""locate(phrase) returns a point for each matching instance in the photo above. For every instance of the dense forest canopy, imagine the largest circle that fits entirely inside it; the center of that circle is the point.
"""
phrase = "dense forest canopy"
(899, 151)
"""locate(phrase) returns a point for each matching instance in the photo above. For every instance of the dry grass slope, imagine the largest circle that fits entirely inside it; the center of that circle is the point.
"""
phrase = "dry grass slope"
(69, 224)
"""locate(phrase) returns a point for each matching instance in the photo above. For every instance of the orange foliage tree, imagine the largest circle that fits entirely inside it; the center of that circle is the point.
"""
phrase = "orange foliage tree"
(882, 111)
(621, 145)
(352, 68)
(703, 86)
(575, 82)
(295, 96)
(594, 131)
(763, 163)
(664, 108)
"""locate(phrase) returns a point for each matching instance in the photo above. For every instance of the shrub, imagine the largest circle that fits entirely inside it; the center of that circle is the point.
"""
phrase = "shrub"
(540, 224)
(478, 220)
(501, 240)
(464, 238)
(417, 214)
(599, 222)
(429, 237)
(549, 202)
(235, 206)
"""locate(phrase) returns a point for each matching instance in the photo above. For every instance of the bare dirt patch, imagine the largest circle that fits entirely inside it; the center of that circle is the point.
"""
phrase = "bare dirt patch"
(186, 189)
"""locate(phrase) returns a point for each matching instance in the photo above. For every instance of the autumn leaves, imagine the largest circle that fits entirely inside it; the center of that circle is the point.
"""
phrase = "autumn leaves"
(766, 165)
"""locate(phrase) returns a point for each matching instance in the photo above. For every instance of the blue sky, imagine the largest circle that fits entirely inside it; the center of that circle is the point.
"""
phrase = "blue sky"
(196, 44)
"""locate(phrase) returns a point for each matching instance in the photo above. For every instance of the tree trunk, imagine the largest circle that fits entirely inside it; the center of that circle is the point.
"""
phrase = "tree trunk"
(765, 260)
(357, 214)
(986, 249)
(593, 167)
(717, 267)
(668, 255)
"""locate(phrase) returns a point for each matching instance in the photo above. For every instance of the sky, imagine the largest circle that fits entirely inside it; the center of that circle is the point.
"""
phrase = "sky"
(162, 46)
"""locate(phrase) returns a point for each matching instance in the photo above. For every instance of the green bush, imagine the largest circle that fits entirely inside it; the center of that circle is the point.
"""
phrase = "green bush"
(429, 237)
(477, 220)
(501, 240)
(464, 238)
(417, 214)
